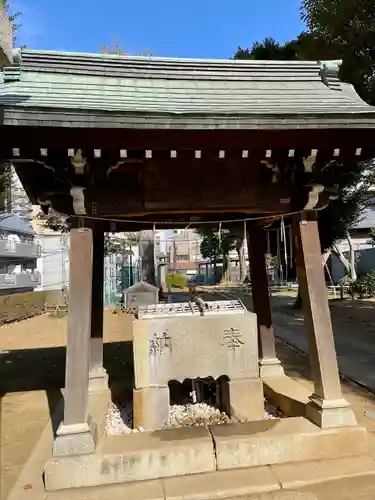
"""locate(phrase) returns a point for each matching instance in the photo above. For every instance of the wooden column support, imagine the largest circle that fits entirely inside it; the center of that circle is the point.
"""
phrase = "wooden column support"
(328, 408)
(77, 434)
(270, 365)
(98, 375)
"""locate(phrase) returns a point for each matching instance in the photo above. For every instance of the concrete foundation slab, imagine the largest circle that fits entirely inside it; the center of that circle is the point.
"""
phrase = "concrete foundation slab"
(270, 367)
(294, 475)
(143, 490)
(150, 407)
(221, 484)
(135, 457)
(76, 439)
(287, 394)
(333, 415)
(98, 381)
(243, 399)
(286, 440)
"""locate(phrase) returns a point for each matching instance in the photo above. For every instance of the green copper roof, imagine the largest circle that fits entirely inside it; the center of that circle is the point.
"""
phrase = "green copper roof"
(95, 90)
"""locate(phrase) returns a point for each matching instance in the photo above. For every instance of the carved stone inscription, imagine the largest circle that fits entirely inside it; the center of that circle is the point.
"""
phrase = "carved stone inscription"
(160, 344)
(232, 338)
(176, 348)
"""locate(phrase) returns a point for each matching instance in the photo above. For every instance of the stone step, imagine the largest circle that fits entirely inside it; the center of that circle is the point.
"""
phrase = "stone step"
(294, 439)
(135, 457)
(189, 451)
(234, 484)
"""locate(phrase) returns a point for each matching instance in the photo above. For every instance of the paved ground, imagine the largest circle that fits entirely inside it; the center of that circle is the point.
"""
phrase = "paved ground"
(354, 332)
(32, 369)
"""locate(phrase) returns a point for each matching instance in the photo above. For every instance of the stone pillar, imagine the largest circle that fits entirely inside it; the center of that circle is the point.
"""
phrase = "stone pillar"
(77, 434)
(327, 407)
(270, 365)
(150, 407)
(98, 376)
(150, 402)
(243, 399)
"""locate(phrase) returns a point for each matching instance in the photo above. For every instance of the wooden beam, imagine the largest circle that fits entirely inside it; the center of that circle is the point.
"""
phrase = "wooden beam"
(62, 137)
(98, 376)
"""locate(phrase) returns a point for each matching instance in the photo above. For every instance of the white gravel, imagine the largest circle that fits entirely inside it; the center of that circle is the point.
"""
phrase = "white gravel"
(118, 419)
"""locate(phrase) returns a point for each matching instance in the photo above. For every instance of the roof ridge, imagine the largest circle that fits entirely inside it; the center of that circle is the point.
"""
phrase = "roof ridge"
(19, 54)
(141, 67)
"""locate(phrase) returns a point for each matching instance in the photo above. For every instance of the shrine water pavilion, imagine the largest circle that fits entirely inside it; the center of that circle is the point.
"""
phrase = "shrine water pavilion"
(121, 143)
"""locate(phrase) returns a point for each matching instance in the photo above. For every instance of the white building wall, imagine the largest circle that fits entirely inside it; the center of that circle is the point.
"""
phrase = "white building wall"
(53, 264)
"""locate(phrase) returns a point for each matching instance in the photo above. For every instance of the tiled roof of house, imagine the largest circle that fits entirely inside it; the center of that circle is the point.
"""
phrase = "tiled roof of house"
(14, 224)
(99, 90)
(182, 265)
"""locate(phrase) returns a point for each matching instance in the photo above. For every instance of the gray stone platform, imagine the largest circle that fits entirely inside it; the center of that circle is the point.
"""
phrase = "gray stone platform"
(191, 451)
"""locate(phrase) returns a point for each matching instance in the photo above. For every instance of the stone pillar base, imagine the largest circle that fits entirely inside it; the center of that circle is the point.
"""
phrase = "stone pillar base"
(243, 399)
(270, 367)
(75, 439)
(330, 413)
(150, 407)
(98, 380)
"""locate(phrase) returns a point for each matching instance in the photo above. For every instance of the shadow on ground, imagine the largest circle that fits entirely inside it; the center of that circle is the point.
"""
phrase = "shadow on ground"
(44, 368)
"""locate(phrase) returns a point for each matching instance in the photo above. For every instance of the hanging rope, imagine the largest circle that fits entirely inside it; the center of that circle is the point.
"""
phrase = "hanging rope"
(283, 239)
(155, 265)
(278, 252)
(268, 243)
(290, 247)
(190, 223)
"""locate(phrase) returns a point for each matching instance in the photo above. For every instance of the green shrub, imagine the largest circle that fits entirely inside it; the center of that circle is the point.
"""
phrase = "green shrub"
(368, 283)
(175, 280)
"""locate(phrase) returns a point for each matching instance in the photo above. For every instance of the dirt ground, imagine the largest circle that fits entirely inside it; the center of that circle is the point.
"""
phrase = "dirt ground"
(32, 371)
(32, 368)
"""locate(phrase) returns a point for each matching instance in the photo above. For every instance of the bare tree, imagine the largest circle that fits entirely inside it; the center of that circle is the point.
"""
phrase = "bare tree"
(115, 49)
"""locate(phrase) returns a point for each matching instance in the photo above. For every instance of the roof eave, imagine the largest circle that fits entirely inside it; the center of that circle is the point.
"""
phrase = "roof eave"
(74, 118)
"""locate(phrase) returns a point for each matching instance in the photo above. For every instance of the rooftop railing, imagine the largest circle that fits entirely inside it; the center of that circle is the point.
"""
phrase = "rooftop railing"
(9, 248)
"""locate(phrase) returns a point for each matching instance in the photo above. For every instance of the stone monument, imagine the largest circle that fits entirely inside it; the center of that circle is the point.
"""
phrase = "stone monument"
(190, 341)
(140, 294)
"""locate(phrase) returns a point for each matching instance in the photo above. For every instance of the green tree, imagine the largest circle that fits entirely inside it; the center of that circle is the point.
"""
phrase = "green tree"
(216, 244)
(339, 217)
(347, 28)
(114, 243)
(271, 50)
(214, 247)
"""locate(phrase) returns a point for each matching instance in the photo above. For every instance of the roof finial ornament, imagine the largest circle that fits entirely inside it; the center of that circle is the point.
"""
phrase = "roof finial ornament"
(330, 69)
(17, 56)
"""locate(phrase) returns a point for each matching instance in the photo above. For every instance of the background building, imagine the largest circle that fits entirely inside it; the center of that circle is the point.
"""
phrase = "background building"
(18, 255)
(363, 248)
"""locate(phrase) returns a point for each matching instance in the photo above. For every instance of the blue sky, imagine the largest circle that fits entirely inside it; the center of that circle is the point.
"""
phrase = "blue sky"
(197, 28)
